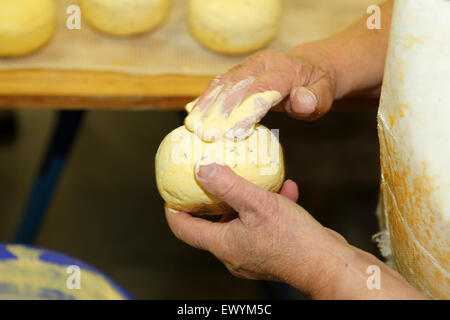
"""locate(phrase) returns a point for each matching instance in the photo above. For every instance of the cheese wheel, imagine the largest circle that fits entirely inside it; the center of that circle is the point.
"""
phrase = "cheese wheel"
(31, 273)
(414, 131)
(124, 17)
(259, 159)
(25, 25)
(234, 26)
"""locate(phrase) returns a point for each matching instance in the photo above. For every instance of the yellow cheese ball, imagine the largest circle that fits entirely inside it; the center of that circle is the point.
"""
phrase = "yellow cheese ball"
(259, 159)
(124, 17)
(25, 25)
(234, 26)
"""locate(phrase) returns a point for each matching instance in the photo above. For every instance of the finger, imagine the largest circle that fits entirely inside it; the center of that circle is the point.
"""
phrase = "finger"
(209, 96)
(225, 93)
(278, 80)
(225, 84)
(303, 103)
(240, 194)
(213, 122)
(242, 77)
(256, 109)
(233, 94)
(313, 101)
(290, 190)
(188, 108)
(197, 232)
(257, 103)
(235, 85)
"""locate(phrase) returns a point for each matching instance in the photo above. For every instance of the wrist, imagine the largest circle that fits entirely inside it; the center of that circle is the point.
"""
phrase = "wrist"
(320, 273)
(356, 274)
(346, 275)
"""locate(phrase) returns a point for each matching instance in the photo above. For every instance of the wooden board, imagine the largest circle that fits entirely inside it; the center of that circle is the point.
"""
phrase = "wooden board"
(89, 89)
(45, 89)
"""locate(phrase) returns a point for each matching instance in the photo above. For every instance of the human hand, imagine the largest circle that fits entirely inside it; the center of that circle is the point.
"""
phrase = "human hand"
(263, 239)
(272, 238)
(302, 83)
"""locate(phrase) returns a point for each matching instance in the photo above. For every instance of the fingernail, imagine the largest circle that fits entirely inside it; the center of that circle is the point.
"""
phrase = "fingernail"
(206, 168)
(207, 172)
(172, 210)
(191, 105)
(307, 101)
(237, 134)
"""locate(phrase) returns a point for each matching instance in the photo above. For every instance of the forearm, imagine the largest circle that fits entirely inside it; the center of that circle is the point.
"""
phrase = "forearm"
(354, 278)
(345, 272)
(356, 56)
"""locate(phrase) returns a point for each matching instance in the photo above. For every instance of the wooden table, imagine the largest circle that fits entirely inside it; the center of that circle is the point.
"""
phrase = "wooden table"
(97, 90)
(84, 90)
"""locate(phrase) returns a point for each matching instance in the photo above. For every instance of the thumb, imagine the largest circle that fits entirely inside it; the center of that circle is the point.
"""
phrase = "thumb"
(311, 102)
(225, 184)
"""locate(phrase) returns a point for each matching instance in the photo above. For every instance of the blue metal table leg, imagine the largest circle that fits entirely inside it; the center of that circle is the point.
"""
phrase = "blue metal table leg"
(44, 184)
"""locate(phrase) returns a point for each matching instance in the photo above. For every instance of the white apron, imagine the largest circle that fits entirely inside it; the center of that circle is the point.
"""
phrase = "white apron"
(414, 132)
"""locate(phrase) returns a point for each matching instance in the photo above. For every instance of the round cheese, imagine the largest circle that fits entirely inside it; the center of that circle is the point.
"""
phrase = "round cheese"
(25, 25)
(234, 26)
(259, 159)
(124, 17)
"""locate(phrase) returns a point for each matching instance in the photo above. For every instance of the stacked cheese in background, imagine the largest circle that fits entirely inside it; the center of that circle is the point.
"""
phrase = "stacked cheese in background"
(234, 26)
(226, 26)
(25, 25)
(125, 18)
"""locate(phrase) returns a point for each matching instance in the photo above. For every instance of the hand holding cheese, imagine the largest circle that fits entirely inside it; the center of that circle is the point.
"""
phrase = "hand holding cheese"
(124, 18)
(270, 237)
(258, 159)
(303, 81)
(25, 25)
(273, 238)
